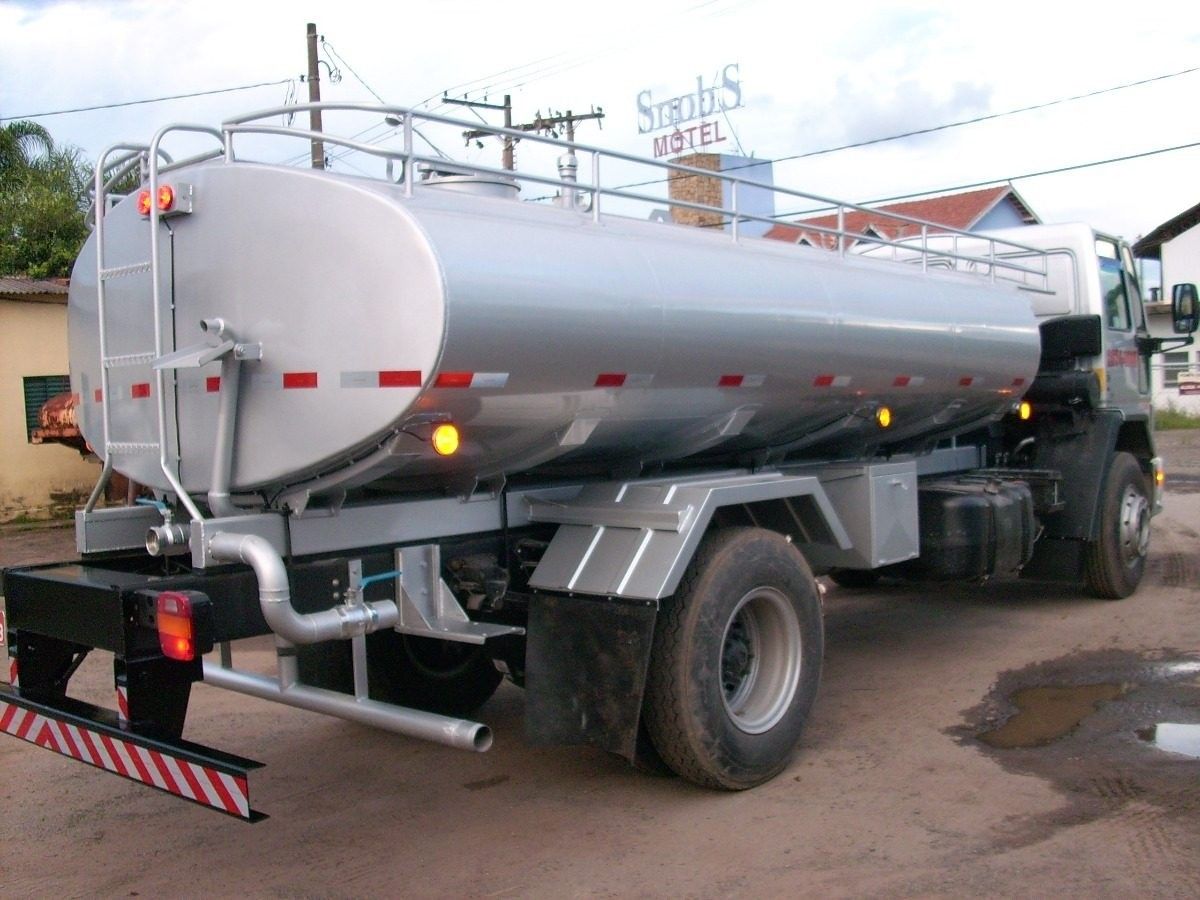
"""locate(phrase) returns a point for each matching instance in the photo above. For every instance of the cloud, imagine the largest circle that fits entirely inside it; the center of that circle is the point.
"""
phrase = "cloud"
(863, 112)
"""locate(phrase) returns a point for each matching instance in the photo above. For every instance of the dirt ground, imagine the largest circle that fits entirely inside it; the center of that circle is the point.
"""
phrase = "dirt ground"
(891, 792)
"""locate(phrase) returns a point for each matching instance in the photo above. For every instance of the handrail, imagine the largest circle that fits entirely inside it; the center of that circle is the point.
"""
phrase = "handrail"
(998, 255)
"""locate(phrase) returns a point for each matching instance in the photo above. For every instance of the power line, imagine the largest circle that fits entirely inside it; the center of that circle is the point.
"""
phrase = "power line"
(79, 109)
(934, 128)
(329, 48)
(989, 116)
(1007, 180)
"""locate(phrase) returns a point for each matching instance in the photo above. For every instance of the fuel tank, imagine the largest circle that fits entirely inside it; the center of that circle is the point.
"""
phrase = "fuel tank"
(550, 338)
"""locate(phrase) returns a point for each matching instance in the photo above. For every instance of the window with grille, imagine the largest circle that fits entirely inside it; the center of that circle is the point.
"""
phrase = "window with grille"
(39, 389)
(1175, 363)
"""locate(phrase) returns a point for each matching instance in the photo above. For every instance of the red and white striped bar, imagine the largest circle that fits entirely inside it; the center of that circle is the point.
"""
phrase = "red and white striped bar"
(14, 673)
(156, 766)
(122, 705)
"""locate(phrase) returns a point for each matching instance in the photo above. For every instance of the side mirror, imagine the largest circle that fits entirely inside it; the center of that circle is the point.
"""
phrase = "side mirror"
(1185, 309)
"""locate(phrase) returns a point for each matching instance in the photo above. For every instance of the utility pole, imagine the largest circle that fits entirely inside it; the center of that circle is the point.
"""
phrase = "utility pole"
(506, 160)
(549, 124)
(314, 96)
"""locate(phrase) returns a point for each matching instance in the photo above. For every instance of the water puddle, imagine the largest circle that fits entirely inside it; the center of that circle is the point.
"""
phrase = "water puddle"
(1047, 713)
(1173, 738)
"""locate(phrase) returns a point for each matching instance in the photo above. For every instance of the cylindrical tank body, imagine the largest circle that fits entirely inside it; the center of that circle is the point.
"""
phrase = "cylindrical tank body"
(545, 336)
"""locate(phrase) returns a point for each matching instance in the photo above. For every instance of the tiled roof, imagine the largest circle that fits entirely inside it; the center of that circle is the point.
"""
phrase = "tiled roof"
(960, 211)
(16, 285)
(1151, 245)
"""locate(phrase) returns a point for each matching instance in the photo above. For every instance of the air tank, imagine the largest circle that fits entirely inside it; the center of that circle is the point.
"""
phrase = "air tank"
(551, 339)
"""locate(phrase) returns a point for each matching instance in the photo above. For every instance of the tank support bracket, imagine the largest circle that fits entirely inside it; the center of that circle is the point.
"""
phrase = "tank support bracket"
(428, 607)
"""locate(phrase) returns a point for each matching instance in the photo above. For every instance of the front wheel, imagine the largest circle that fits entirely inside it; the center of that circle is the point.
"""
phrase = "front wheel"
(1116, 560)
(736, 661)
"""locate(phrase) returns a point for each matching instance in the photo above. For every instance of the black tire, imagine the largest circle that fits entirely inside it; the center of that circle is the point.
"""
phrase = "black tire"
(736, 661)
(448, 677)
(855, 578)
(1116, 561)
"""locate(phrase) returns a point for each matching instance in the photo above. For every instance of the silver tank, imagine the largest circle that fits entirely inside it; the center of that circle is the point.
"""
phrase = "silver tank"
(546, 337)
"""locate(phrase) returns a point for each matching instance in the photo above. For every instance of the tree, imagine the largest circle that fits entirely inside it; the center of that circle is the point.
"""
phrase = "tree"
(43, 201)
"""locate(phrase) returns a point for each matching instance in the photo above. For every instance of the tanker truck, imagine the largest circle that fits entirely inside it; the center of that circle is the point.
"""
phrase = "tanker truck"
(427, 436)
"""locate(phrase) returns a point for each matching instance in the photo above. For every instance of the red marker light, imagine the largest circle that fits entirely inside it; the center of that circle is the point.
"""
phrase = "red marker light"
(143, 203)
(166, 198)
(176, 635)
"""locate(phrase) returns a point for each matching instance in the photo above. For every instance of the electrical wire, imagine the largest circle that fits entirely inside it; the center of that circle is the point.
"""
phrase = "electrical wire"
(79, 109)
(1007, 180)
(935, 128)
(529, 72)
(374, 93)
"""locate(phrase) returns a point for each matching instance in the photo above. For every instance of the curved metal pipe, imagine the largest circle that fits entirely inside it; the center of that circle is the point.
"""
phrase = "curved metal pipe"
(460, 733)
(275, 596)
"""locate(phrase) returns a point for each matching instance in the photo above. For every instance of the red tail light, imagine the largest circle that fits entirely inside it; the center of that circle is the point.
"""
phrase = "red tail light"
(166, 198)
(144, 203)
(176, 631)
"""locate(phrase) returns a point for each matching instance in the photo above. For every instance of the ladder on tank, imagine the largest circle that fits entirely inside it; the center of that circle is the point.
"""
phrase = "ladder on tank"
(145, 159)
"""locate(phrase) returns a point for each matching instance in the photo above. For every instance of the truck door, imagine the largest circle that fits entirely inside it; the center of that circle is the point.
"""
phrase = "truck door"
(1128, 383)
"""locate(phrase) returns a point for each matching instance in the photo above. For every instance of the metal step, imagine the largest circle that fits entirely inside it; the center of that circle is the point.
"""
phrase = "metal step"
(131, 448)
(119, 271)
(129, 359)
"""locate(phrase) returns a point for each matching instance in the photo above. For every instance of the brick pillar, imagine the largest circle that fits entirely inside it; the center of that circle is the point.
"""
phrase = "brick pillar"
(697, 189)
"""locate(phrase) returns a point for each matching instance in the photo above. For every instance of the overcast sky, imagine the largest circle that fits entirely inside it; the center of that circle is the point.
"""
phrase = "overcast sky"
(812, 76)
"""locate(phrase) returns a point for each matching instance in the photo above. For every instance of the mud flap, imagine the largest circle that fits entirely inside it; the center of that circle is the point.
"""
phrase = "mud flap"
(586, 662)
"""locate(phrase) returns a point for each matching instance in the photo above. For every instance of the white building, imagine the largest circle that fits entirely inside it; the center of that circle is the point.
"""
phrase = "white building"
(1176, 244)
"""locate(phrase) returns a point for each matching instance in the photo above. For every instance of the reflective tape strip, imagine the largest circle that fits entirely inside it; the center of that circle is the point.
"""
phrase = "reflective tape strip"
(212, 384)
(13, 673)
(122, 705)
(98, 396)
(203, 784)
(140, 391)
(831, 381)
(1018, 382)
(454, 379)
(968, 381)
(624, 379)
(299, 380)
(741, 381)
(388, 378)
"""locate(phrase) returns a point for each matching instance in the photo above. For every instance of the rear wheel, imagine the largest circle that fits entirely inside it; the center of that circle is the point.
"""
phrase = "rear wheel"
(1116, 560)
(736, 661)
(448, 677)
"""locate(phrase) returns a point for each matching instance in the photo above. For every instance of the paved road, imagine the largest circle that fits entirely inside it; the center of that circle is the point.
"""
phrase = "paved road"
(890, 793)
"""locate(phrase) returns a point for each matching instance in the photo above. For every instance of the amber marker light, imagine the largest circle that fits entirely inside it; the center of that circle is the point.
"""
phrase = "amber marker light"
(883, 416)
(1025, 411)
(445, 439)
(143, 203)
(174, 619)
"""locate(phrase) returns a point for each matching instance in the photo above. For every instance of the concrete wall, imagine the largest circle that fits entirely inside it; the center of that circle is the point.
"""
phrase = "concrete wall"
(1180, 263)
(36, 480)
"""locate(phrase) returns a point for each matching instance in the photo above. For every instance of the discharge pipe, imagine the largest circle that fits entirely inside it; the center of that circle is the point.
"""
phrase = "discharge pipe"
(275, 596)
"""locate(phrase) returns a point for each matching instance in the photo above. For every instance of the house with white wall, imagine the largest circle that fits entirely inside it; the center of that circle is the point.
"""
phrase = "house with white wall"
(1176, 245)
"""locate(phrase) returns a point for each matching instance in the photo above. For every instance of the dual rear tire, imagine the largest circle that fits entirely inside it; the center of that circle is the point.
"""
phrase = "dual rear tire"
(736, 661)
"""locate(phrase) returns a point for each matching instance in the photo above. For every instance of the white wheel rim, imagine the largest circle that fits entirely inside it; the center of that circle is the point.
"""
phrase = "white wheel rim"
(760, 660)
